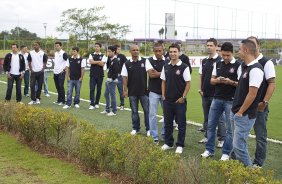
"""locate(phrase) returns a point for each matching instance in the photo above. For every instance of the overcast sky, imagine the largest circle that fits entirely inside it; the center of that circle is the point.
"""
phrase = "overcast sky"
(198, 18)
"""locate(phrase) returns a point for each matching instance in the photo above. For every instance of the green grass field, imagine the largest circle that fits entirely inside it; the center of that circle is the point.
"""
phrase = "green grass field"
(19, 164)
(122, 122)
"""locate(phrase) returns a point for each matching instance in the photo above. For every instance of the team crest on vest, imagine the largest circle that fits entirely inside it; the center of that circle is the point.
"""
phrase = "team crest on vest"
(232, 70)
(177, 72)
(100, 57)
(245, 75)
(118, 59)
(78, 61)
(142, 65)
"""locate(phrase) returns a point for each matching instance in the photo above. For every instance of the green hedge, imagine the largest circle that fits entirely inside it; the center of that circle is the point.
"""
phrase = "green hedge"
(133, 156)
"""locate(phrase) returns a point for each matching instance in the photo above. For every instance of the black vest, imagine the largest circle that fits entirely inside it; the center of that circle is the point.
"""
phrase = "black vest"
(137, 77)
(75, 68)
(223, 91)
(243, 90)
(264, 84)
(96, 70)
(174, 81)
(155, 84)
(113, 68)
(207, 67)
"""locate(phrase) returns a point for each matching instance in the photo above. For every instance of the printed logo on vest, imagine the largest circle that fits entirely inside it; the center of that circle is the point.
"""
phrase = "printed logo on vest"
(177, 72)
(245, 75)
(142, 65)
(232, 70)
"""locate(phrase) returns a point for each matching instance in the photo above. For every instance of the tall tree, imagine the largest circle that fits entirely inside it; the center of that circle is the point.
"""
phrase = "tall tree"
(89, 23)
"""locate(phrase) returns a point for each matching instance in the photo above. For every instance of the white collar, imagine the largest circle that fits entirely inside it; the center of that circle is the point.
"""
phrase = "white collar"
(78, 56)
(232, 61)
(139, 58)
(253, 62)
(177, 64)
(214, 57)
(260, 56)
(155, 58)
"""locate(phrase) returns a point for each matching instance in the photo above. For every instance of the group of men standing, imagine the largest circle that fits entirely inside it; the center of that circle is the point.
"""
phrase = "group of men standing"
(235, 93)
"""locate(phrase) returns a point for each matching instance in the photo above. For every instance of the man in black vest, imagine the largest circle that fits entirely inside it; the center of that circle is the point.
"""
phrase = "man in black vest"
(14, 67)
(135, 87)
(97, 61)
(206, 90)
(176, 78)
(224, 77)
(246, 99)
(262, 114)
(74, 73)
(154, 66)
(121, 59)
(111, 83)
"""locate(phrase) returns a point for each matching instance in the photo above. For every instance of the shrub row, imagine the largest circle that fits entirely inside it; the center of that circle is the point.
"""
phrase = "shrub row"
(134, 156)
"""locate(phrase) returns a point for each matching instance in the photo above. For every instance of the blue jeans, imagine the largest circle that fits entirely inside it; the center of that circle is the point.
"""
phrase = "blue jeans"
(120, 90)
(134, 102)
(93, 82)
(221, 131)
(261, 136)
(59, 80)
(77, 85)
(219, 108)
(177, 110)
(154, 100)
(241, 130)
(26, 82)
(45, 82)
(10, 84)
(111, 92)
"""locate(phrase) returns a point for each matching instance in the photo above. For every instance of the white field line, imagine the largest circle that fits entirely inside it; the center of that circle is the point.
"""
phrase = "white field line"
(188, 122)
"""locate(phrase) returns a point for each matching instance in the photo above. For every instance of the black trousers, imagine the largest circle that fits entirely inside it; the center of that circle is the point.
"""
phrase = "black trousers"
(59, 80)
(36, 78)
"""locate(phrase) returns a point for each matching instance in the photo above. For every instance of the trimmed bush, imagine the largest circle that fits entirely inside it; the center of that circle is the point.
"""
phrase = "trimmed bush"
(134, 156)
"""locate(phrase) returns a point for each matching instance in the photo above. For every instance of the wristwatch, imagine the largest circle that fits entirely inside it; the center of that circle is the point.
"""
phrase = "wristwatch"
(265, 102)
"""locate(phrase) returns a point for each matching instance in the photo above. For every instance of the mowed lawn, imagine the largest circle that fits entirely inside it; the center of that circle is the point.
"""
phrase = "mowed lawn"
(122, 122)
(19, 164)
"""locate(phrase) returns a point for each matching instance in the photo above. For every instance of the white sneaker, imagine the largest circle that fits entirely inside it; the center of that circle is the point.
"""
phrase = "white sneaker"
(220, 144)
(55, 103)
(60, 103)
(224, 157)
(179, 150)
(133, 132)
(66, 107)
(166, 147)
(121, 108)
(148, 133)
(76, 106)
(161, 120)
(32, 103)
(20, 103)
(204, 140)
(176, 127)
(104, 112)
(47, 95)
(97, 106)
(174, 123)
(91, 107)
(206, 154)
(37, 101)
(111, 114)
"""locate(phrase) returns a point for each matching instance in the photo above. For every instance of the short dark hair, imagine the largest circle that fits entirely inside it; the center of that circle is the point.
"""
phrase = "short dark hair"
(117, 46)
(160, 41)
(174, 45)
(250, 45)
(76, 49)
(255, 38)
(97, 43)
(15, 45)
(38, 43)
(60, 43)
(22, 46)
(212, 40)
(158, 45)
(227, 46)
(112, 48)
